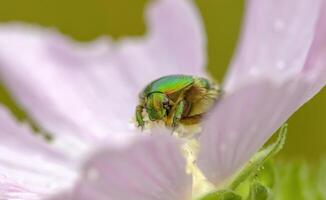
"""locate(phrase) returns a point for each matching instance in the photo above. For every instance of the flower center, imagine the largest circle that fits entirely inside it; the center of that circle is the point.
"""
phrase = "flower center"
(201, 185)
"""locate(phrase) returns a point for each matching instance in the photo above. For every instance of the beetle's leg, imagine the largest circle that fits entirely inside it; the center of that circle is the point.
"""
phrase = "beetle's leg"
(139, 116)
(179, 110)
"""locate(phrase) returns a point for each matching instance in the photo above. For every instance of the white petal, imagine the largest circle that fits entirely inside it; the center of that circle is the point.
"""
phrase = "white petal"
(150, 168)
(74, 88)
(30, 167)
(276, 39)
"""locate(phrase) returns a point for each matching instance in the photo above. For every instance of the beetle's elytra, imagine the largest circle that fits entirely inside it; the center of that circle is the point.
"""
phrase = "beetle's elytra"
(176, 99)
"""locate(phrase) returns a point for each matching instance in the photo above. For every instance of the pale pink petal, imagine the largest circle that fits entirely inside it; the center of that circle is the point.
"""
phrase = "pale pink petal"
(149, 168)
(243, 121)
(261, 92)
(316, 60)
(10, 190)
(29, 166)
(177, 34)
(276, 38)
(91, 89)
(67, 87)
(175, 43)
(64, 195)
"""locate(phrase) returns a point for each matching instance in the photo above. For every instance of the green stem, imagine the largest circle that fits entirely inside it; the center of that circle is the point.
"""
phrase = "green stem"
(259, 159)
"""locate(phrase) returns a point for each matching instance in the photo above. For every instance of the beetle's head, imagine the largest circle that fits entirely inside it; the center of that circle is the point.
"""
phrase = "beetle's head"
(156, 106)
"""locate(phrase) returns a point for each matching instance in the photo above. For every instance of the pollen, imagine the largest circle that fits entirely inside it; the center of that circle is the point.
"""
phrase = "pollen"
(201, 185)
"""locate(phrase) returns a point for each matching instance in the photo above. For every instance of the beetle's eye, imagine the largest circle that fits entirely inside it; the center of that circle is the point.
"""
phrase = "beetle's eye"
(166, 103)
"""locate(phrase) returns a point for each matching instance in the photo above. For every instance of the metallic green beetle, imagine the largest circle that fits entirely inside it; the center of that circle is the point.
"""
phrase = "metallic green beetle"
(176, 99)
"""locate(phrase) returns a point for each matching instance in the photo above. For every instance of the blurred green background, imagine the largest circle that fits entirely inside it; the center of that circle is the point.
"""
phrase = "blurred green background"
(87, 19)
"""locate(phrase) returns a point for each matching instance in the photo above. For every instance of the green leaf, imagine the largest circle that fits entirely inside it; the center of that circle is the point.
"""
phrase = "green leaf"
(299, 181)
(258, 192)
(222, 195)
(307, 180)
(259, 159)
(322, 180)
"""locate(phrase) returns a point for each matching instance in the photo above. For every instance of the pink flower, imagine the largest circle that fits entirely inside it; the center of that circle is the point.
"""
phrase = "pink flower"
(85, 94)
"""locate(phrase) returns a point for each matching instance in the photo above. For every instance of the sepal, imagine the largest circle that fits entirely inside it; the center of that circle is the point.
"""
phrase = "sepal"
(258, 191)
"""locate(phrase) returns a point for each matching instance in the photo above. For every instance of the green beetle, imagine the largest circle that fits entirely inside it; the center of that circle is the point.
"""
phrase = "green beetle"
(176, 99)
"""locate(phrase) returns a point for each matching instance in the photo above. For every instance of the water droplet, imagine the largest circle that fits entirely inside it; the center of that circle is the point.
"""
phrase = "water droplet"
(52, 185)
(279, 25)
(254, 71)
(280, 64)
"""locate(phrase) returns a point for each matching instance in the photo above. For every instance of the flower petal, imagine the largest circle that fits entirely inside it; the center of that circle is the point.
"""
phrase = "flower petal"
(29, 167)
(66, 87)
(72, 88)
(279, 67)
(150, 168)
(274, 40)
(175, 43)
(9, 190)
(177, 32)
(243, 121)
(316, 59)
